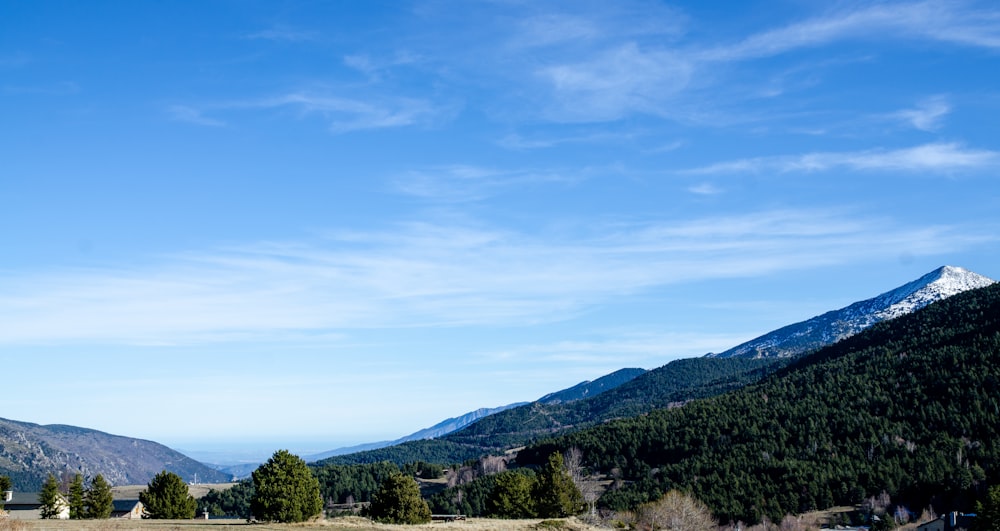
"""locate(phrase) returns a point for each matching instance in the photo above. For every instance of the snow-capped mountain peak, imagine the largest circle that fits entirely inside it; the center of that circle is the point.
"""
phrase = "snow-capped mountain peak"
(831, 327)
(934, 286)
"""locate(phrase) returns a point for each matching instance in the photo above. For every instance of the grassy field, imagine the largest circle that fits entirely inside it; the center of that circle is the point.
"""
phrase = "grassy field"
(345, 524)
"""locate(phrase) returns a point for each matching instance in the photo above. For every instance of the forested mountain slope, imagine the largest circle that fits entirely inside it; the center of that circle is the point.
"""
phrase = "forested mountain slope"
(673, 383)
(589, 389)
(910, 406)
(30, 452)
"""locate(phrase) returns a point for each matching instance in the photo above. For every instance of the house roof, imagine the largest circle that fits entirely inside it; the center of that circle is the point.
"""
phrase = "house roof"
(124, 505)
(22, 498)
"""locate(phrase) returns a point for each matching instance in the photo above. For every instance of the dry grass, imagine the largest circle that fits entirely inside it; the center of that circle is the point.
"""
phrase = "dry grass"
(336, 524)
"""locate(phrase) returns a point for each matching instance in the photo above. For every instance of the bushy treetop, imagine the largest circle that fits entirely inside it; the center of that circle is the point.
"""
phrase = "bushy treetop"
(285, 490)
(167, 497)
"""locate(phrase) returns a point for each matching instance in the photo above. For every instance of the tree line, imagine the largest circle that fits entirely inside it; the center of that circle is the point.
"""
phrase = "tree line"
(93, 501)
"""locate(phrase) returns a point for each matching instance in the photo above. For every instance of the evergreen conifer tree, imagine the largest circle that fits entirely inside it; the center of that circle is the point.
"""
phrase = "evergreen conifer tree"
(97, 501)
(555, 494)
(398, 501)
(285, 490)
(76, 497)
(511, 497)
(988, 511)
(50, 498)
(166, 497)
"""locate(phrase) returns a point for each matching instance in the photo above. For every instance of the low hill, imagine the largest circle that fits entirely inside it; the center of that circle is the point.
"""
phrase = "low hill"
(30, 452)
(909, 407)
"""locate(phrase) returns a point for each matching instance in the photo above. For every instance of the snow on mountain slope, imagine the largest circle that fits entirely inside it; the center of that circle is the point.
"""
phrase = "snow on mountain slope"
(833, 326)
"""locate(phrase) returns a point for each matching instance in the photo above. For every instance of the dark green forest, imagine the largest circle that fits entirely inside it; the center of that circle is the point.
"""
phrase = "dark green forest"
(910, 407)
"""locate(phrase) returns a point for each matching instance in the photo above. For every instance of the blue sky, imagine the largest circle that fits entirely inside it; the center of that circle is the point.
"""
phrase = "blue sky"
(315, 224)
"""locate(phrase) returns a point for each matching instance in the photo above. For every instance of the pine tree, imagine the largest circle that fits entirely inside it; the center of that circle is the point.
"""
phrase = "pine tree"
(511, 496)
(555, 494)
(97, 501)
(76, 496)
(285, 490)
(398, 501)
(166, 496)
(50, 498)
(988, 511)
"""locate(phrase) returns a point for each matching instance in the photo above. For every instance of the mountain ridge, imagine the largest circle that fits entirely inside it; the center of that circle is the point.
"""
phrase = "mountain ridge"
(585, 389)
(590, 388)
(805, 336)
(29, 452)
(677, 381)
(441, 428)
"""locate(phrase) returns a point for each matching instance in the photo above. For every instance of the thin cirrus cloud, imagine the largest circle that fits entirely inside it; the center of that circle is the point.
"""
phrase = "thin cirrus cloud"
(183, 113)
(926, 158)
(426, 275)
(466, 183)
(617, 82)
(927, 115)
(635, 347)
(705, 189)
(347, 114)
(623, 76)
(284, 33)
(342, 114)
(943, 21)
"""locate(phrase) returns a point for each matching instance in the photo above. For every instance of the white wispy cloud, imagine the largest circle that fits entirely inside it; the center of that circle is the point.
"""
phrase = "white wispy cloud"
(598, 22)
(926, 158)
(284, 33)
(349, 114)
(374, 68)
(927, 115)
(621, 75)
(951, 22)
(343, 114)
(629, 349)
(705, 189)
(547, 29)
(463, 183)
(617, 82)
(524, 142)
(427, 275)
(183, 113)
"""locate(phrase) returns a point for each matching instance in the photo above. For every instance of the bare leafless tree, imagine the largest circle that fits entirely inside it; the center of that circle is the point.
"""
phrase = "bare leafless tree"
(492, 464)
(588, 486)
(676, 511)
